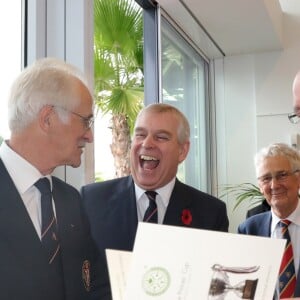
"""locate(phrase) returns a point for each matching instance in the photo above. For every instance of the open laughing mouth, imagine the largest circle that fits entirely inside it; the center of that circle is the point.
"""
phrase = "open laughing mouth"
(148, 162)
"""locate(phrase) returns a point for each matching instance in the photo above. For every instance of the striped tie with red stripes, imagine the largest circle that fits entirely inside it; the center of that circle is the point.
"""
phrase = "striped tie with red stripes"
(49, 235)
(287, 275)
(151, 212)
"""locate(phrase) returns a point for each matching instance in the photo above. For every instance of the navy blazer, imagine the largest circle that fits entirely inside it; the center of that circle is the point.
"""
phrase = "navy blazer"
(25, 272)
(263, 207)
(260, 225)
(112, 212)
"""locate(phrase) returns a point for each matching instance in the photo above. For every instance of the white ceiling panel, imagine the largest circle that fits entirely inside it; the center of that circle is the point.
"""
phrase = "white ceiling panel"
(235, 26)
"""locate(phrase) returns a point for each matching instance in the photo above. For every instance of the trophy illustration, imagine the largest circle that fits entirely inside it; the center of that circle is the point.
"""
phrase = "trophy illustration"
(220, 285)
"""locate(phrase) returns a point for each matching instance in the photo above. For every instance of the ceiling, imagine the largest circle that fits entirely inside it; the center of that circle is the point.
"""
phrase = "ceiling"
(235, 26)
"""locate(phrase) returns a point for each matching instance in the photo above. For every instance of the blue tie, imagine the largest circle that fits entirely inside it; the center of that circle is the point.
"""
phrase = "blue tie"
(49, 235)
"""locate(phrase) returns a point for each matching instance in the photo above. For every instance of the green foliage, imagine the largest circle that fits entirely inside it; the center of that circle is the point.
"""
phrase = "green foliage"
(243, 192)
(99, 177)
(120, 101)
(118, 57)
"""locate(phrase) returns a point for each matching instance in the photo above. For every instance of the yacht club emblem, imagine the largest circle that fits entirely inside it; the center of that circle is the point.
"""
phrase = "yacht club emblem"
(156, 281)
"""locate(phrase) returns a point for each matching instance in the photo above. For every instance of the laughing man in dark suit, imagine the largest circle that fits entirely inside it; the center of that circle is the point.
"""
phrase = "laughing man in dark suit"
(160, 143)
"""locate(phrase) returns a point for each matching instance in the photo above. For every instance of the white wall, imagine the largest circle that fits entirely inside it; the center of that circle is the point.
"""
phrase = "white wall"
(236, 126)
(253, 97)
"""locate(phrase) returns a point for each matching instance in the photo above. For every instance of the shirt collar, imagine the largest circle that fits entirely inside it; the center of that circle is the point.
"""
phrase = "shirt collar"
(164, 192)
(294, 217)
(23, 174)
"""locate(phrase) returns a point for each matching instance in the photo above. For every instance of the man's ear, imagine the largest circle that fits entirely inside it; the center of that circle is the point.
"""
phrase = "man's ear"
(45, 116)
(184, 150)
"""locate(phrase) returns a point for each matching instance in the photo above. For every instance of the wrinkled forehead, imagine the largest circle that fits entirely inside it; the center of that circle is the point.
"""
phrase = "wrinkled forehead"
(154, 119)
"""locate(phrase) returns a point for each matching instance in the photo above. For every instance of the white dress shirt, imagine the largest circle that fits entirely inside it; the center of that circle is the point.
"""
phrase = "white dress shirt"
(24, 175)
(162, 200)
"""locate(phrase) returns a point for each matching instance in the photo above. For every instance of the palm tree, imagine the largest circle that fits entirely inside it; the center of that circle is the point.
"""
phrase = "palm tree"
(118, 65)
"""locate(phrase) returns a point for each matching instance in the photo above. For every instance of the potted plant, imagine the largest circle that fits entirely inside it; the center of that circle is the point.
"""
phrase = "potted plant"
(243, 192)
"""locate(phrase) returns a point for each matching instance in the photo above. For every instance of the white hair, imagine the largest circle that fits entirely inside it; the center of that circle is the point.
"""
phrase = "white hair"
(278, 149)
(47, 81)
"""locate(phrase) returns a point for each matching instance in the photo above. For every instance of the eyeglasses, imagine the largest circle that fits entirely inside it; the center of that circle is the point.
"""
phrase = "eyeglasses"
(280, 177)
(87, 121)
(294, 118)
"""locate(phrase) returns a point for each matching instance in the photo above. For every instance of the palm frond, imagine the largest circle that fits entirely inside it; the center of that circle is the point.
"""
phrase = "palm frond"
(118, 57)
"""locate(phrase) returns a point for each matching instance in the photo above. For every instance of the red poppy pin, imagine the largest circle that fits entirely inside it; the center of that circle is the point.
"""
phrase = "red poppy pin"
(186, 217)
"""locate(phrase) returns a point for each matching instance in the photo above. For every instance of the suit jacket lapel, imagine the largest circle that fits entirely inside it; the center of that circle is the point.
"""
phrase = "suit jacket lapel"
(16, 227)
(297, 291)
(65, 216)
(265, 226)
(178, 202)
(128, 210)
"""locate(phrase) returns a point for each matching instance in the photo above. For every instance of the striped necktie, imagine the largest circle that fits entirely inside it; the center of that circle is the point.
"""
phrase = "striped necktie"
(49, 235)
(287, 275)
(151, 212)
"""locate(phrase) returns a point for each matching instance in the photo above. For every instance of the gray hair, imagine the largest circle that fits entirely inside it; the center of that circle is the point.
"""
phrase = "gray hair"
(278, 149)
(183, 133)
(48, 81)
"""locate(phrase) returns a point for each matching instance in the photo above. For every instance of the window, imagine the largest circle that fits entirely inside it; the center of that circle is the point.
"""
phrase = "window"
(184, 82)
(10, 54)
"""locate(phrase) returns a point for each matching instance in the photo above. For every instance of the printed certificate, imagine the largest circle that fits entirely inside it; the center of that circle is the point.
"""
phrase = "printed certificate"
(176, 263)
(118, 268)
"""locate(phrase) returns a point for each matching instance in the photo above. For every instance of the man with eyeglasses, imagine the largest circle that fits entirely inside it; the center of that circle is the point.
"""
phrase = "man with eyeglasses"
(278, 173)
(46, 248)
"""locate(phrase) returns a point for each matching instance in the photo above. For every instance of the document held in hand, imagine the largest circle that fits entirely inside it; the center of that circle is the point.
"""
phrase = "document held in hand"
(170, 262)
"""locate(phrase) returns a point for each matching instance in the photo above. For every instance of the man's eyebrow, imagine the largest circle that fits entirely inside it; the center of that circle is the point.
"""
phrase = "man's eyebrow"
(264, 175)
(276, 172)
(139, 129)
(159, 131)
(163, 131)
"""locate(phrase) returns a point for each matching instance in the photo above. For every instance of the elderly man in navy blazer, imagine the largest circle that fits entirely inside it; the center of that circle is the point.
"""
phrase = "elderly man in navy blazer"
(278, 172)
(160, 143)
(50, 113)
